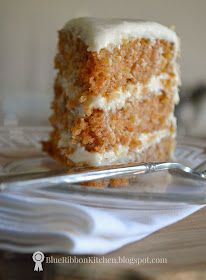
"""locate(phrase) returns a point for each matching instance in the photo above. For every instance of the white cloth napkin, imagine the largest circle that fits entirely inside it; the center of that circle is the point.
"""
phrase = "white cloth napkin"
(29, 223)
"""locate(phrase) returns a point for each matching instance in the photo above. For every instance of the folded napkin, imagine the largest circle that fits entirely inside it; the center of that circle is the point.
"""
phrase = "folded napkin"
(29, 223)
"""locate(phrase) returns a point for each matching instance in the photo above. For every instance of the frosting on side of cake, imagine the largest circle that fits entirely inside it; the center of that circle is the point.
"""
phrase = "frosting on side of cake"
(122, 153)
(99, 33)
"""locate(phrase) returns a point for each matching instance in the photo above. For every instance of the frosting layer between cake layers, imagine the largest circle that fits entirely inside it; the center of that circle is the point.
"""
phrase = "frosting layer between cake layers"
(118, 98)
(120, 154)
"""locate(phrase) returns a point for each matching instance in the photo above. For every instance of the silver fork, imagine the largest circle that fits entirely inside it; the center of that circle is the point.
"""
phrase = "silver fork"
(78, 175)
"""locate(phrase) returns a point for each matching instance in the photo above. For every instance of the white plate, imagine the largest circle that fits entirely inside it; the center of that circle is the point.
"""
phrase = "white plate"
(20, 152)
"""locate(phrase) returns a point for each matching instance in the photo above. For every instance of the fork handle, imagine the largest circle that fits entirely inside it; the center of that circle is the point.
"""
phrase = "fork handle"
(43, 179)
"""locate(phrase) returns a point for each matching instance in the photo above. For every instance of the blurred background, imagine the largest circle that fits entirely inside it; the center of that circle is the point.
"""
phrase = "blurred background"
(28, 39)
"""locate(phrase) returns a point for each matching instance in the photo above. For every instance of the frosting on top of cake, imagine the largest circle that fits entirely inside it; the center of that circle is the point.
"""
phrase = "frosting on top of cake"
(98, 33)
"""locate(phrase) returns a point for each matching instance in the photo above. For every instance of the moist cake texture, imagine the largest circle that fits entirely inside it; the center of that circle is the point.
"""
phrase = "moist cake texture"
(114, 93)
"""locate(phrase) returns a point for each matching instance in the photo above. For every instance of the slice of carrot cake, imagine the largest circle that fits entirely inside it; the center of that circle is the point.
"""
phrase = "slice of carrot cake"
(115, 91)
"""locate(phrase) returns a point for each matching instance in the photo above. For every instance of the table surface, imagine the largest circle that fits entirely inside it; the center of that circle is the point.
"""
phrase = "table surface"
(183, 245)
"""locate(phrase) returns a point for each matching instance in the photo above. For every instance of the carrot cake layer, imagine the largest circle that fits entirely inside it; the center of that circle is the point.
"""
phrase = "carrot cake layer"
(115, 92)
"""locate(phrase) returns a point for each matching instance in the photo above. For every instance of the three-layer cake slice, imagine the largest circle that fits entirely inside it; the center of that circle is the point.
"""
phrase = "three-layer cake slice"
(115, 92)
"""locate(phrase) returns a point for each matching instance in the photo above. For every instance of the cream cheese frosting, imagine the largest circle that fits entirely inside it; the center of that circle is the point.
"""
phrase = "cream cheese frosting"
(98, 33)
(119, 97)
(121, 154)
